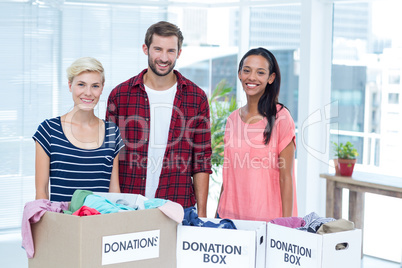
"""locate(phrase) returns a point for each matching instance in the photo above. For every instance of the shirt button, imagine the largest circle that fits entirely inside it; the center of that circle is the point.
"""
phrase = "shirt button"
(143, 178)
(147, 119)
(146, 140)
(146, 99)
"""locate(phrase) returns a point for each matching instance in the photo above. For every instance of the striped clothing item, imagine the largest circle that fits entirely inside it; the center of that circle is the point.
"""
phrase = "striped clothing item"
(314, 222)
(73, 168)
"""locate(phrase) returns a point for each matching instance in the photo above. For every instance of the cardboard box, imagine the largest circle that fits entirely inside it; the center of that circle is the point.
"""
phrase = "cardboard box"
(287, 247)
(143, 238)
(212, 247)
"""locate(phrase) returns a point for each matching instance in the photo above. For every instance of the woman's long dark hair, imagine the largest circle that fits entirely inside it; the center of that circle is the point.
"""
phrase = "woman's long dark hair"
(269, 99)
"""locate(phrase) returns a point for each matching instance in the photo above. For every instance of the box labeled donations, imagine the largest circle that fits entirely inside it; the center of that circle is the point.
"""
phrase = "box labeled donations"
(143, 238)
(213, 247)
(287, 247)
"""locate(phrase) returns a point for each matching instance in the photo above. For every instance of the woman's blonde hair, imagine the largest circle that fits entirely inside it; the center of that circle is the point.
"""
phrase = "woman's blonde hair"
(85, 64)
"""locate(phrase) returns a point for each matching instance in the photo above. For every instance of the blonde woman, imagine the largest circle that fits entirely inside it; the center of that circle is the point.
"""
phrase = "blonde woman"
(78, 150)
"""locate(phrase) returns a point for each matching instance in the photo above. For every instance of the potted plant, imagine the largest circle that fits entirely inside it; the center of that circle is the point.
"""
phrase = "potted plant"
(222, 103)
(346, 160)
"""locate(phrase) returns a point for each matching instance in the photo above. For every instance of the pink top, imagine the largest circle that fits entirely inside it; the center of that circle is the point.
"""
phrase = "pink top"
(251, 189)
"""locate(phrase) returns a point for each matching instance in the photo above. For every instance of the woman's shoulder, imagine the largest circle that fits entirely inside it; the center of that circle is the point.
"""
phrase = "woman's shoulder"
(110, 125)
(48, 128)
(112, 130)
(232, 118)
(284, 118)
(51, 122)
(234, 114)
(282, 110)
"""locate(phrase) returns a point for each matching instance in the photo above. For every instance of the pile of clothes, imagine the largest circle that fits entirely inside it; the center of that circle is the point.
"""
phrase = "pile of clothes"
(87, 203)
(191, 219)
(315, 224)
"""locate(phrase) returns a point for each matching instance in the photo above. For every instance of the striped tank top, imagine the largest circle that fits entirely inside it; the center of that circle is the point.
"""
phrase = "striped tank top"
(73, 168)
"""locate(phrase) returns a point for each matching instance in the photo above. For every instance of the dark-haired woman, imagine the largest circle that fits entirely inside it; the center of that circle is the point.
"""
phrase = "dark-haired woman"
(258, 174)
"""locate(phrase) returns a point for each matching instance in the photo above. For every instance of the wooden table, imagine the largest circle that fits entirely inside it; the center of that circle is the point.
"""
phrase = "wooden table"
(359, 184)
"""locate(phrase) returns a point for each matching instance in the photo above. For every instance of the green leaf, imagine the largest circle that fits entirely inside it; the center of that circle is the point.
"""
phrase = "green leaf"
(222, 103)
(345, 151)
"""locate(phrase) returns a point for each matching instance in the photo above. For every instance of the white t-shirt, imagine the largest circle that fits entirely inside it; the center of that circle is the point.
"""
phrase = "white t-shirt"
(161, 107)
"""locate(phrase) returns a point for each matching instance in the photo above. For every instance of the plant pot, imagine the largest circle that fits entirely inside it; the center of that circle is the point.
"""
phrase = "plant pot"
(346, 166)
(336, 167)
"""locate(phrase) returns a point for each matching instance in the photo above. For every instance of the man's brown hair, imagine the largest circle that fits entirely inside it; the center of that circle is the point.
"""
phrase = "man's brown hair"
(163, 28)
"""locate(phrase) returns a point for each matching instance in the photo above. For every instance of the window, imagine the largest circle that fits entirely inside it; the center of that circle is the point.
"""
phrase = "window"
(394, 78)
(40, 39)
(393, 98)
(277, 28)
(365, 78)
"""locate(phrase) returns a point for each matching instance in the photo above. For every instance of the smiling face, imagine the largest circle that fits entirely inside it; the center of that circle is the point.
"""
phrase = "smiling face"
(162, 54)
(254, 75)
(86, 89)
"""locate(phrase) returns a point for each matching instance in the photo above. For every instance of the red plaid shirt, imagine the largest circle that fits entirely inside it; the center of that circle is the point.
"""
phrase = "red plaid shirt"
(188, 149)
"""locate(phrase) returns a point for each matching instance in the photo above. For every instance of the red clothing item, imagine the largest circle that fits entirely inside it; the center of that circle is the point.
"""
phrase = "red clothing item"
(188, 148)
(86, 211)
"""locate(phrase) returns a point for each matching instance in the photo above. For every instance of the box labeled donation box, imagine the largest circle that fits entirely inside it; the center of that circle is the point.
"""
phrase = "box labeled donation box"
(213, 247)
(287, 247)
(142, 238)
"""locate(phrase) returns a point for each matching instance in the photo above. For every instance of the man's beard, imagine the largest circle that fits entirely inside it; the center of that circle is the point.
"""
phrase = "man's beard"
(154, 69)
